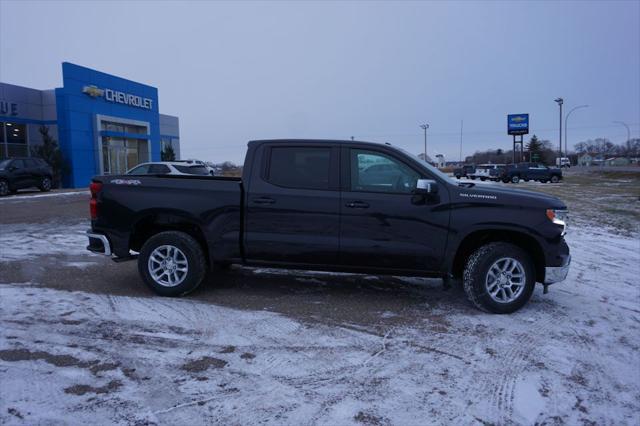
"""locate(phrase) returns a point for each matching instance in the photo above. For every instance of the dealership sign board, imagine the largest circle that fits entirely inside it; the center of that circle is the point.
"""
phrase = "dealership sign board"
(8, 108)
(118, 97)
(518, 124)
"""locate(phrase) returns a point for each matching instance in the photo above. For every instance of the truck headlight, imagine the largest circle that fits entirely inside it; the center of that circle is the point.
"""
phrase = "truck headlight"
(559, 217)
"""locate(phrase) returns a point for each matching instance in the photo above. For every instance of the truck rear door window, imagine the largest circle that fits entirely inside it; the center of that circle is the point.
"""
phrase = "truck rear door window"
(299, 167)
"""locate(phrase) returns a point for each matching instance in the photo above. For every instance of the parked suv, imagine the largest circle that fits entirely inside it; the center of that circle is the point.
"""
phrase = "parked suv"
(23, 172)
(530, 171)
(171, 168)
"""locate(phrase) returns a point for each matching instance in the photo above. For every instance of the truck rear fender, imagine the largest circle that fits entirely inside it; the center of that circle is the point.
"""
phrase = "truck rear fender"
(154, 223)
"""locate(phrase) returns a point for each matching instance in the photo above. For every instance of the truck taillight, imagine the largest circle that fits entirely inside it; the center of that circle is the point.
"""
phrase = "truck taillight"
(95, 188)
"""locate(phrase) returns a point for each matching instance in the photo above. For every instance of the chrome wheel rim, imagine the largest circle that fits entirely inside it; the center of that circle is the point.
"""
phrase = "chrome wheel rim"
(505, 280)
(168, 266)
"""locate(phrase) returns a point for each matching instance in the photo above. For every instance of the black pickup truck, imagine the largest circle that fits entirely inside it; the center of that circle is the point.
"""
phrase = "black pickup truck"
(514, 173)
(333, 205)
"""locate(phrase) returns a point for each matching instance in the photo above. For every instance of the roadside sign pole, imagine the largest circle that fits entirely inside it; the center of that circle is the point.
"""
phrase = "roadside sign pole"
(518, 125)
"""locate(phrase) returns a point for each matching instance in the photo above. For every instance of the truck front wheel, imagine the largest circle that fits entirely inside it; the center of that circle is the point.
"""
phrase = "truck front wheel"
(499, 278)
(172, 263)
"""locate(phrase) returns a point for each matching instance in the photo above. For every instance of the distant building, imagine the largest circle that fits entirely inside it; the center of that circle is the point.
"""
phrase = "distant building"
(590, 160)
(429, 160)
(440, 161)
(617, 161)
(104, 124)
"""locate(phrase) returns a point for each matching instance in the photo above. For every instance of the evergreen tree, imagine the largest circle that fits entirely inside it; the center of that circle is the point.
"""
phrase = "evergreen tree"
(50, 152)
(168, 154)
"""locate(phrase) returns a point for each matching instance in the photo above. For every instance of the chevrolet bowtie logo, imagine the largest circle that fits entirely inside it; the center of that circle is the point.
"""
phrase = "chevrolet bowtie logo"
(92, 91)
(518, 119)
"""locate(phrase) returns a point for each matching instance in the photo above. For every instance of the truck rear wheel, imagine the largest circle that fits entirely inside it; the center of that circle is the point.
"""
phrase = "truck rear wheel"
(172, 263)
(555, 179)
(499, 278)
(515, 179)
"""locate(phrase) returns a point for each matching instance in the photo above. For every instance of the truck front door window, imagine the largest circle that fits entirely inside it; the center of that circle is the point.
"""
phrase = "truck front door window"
(376, 172)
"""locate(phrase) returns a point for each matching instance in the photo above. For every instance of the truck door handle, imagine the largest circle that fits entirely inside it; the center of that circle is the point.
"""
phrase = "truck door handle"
(263, 200)
(357, 205)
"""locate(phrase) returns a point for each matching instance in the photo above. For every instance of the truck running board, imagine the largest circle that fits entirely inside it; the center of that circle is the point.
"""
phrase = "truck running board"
(124, 258)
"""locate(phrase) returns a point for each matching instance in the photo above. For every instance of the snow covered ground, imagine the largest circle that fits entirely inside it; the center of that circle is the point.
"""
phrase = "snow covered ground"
(569, 357)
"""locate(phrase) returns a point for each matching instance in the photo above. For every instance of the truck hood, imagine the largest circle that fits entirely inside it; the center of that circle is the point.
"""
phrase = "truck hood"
(497, 194)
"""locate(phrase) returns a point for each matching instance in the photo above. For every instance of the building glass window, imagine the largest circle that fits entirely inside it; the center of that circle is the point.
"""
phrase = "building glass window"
(16, 133)
(111, 126)
(13, 140)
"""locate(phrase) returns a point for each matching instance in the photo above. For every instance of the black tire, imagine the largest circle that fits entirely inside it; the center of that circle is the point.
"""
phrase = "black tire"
(477, 269)
(196, 263)
(526, 180)
(483, 179)
(505, 180)
(543, 181)
(4, 188)
(457, 176)
(515, 179)
(473, 178)
(555, 179)
(45, 184)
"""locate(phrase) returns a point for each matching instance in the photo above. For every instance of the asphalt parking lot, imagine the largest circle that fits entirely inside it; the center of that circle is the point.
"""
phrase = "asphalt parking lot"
(83, 338)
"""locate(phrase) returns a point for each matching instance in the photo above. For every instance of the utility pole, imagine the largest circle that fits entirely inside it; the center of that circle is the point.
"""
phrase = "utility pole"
(560, 101)
(425, 127)
(461, 126)
(566, 139)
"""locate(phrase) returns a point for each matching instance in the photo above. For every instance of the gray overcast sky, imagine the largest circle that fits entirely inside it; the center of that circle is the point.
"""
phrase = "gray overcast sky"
(239, 71)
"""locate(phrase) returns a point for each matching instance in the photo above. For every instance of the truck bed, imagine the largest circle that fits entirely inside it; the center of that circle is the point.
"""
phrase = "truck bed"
(134, 203)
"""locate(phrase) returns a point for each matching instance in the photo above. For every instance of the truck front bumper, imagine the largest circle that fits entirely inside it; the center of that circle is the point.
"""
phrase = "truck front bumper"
(554, 274)
(98, 243)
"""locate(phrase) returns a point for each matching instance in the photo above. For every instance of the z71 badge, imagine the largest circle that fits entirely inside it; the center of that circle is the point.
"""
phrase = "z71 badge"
(126, 182)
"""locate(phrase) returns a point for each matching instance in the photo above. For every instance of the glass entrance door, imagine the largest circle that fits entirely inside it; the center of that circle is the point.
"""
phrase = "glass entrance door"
(120, 154)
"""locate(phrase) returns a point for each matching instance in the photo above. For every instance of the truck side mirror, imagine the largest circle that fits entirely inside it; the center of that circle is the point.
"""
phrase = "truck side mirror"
(426, 187)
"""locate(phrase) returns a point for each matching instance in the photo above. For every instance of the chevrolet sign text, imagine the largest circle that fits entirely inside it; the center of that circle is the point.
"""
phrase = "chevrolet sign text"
(118, 97)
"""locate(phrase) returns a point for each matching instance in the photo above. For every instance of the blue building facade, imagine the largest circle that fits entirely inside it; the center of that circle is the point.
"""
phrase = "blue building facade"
(104, 124)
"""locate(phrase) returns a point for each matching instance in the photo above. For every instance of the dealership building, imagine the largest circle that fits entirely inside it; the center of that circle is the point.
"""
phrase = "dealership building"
(104, 124)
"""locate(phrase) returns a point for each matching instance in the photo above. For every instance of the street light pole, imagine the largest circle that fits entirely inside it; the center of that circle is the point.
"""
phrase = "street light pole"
(425, 127)
(461, 126)
(628, 131)
(566, 139)
(560, 101)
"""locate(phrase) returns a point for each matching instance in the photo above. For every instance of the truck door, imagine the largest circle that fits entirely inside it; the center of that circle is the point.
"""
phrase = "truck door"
(381, 225)
(293, 204)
